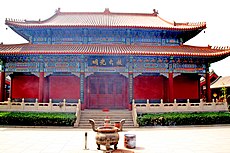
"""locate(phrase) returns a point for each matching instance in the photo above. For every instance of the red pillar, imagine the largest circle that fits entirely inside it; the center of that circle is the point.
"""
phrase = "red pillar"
(208, 89)
(82, 90)
(41, 87)
(2, 86)
(130, 86)
(171, 95)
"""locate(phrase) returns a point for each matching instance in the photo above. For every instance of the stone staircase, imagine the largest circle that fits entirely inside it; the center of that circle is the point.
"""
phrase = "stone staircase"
(100, 115)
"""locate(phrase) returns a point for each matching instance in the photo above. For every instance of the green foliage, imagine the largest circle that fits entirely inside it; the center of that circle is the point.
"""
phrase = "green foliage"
(169, 119)
(37, 119)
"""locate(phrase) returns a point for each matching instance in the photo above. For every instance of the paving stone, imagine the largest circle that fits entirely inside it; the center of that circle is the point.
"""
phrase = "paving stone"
(178, 139)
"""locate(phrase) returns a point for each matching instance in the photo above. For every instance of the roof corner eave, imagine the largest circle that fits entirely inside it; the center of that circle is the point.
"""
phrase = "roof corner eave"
(19, 33)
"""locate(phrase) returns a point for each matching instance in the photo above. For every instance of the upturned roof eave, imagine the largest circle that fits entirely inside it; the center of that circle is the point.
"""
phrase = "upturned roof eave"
(99, 15)
(109, 54)
(29, 26)
(126, 50)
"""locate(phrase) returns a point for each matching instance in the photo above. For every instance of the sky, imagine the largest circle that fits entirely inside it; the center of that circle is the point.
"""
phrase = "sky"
(214, 13)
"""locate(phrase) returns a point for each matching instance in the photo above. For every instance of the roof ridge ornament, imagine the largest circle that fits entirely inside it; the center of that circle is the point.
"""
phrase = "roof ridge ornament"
(14, 20)
(155, 12)
(58, 10)
(196, 23)
(220, 47)
(107, 11)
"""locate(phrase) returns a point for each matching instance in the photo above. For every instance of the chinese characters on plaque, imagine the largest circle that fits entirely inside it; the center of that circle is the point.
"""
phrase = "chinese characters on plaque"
(106, 61)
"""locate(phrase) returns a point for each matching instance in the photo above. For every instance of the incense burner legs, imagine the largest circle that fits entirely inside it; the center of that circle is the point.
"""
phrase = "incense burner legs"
(107, 139)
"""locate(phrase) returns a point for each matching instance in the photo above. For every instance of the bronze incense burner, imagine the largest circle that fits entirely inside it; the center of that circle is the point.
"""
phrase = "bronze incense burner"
(107, 135)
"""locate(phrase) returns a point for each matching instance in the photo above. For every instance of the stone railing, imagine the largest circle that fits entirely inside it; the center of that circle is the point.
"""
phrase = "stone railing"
(62, 106)
(134, 114)
(78, 114)
(180, 107)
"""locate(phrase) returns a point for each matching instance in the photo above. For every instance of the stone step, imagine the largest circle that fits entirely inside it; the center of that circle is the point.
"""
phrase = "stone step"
(99, 122)
(102, 124)
(102, 121)
(102, 117)
(90, 127)
(114, 113)
(98, 116)
(122, 111)
(99, 119)
(107, 112)
(109, 117)
(112, 121)
(125, 111)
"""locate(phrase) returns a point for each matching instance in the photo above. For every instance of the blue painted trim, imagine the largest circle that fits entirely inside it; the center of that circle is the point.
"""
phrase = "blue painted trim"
(100, 36)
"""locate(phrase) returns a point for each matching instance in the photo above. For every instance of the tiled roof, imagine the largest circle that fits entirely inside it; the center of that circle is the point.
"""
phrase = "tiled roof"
(107, 19)
(114, 50)
(212, 74)
(222, 82)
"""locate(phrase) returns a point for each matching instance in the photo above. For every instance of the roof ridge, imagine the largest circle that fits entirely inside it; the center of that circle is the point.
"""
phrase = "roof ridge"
(221, 47)
(131, 45)
(196, 23)
(155, 13)
(109, 49)
(199, 47)
(106, 19)
(8, 45)
(216, 80)
(115, 45)
(107, 13)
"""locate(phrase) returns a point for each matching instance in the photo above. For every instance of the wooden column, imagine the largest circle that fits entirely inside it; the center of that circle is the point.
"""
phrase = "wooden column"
(208, 89)
(130, 84)
(41, 87)
(171, 92)
(2, 86)
(11, 85)
(41, 82)
(199, 88)
(130, 90)
(82, 82)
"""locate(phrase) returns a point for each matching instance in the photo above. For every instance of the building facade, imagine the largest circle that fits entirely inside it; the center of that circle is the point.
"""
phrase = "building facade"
(106, 59)
(221, 89)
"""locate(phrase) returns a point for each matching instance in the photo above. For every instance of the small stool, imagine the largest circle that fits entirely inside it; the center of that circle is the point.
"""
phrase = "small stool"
(130, 141)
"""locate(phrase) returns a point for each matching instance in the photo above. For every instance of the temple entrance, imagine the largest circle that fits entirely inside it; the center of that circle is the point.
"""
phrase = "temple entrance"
(107, 91)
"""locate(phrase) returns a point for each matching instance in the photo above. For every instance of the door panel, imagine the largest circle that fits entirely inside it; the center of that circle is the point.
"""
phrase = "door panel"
(106, 91)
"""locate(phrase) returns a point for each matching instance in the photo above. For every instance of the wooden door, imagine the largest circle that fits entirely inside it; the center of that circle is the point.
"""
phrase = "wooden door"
(106, 91)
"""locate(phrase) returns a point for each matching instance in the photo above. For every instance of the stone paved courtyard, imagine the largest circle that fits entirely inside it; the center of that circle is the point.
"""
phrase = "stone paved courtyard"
(182, 139)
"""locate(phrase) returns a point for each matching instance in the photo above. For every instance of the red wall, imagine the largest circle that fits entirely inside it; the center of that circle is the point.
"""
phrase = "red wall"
(2, 86)
(61, 87)
(186, 87)
(25, 87)
(148, 87)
